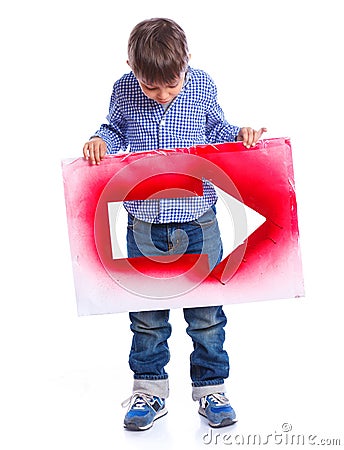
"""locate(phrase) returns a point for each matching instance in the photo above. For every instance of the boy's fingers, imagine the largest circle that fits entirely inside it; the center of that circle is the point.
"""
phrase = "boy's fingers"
(86, 151)
(250, 137)
(261, 131)
(244, 135)
(257, 135)
(92, 153)
(96, 154)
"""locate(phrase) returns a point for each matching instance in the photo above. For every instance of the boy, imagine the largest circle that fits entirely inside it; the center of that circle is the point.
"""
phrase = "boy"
(163, 103)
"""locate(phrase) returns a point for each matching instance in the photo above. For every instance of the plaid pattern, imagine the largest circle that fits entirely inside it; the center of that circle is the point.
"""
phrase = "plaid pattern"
(137, 122)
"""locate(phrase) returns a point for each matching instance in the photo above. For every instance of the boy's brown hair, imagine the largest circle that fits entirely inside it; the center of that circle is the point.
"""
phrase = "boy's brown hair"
(158, 51)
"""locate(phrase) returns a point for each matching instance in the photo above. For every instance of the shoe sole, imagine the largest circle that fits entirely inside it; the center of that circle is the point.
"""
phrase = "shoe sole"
(223, 423)
(133, 427)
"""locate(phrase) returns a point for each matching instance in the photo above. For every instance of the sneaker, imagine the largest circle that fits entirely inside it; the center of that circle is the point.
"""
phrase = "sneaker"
(218, 411)
(143, 410)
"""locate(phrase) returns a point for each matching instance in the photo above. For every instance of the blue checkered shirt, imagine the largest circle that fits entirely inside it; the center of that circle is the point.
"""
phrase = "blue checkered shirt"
(193, 117)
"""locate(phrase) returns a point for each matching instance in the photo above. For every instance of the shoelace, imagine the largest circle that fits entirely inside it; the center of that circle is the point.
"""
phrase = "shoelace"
(137, 401)
(219, 399)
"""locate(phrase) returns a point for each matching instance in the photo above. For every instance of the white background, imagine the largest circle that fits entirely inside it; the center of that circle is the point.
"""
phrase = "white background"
(277, 64)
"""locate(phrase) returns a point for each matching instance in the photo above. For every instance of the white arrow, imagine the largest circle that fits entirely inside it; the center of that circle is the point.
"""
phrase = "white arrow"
(236, 222)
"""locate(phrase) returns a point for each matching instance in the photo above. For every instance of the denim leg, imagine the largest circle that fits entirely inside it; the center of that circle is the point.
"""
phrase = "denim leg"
(149, 352)
(209, 362)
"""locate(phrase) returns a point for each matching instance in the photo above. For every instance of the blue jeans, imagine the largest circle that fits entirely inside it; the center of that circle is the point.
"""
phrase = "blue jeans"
(149, 354)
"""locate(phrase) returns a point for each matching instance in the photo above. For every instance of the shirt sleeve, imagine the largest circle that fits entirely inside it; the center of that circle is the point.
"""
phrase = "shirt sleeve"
(114, 132)
(217, 128)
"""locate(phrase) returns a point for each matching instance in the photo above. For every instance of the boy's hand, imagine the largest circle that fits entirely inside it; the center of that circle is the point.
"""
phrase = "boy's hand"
(94, 150)
(249, 136)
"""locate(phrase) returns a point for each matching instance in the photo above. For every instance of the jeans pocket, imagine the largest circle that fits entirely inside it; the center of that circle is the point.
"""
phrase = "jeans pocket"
(206, 220)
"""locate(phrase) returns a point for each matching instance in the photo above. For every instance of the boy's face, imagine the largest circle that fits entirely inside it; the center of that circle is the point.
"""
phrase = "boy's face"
(162, 93)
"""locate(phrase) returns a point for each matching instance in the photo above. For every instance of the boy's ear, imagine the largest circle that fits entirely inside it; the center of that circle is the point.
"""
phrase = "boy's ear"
(128, 63)
(189, 56)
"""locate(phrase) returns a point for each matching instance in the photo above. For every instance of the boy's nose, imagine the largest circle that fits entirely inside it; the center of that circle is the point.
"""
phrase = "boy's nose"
(163, 96)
